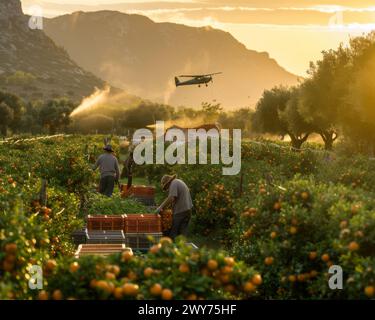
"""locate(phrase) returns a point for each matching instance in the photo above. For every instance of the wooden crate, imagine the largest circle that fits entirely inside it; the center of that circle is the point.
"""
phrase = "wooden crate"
(105, 236)
(142, 241)
(142, 223)
(105, 222)
(100, 249)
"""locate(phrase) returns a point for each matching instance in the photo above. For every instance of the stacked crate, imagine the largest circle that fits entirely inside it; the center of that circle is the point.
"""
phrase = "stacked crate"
(144, 194)
(100, 249)
(142, 230)
(137, 231)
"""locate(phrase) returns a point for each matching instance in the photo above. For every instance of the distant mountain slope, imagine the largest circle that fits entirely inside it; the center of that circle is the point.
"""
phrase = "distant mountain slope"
(141, 56)
(32, 66)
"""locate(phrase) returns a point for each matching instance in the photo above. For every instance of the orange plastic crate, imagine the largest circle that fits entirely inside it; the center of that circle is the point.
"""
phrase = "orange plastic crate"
(142, 223)
(143, 191)
(105, 222)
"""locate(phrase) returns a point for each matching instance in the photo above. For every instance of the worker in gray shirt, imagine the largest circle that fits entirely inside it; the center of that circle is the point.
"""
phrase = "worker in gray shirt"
(180, 198)
(109, 171)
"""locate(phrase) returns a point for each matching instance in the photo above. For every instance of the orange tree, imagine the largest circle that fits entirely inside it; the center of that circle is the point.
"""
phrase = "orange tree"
(167, 271)
(294, 236)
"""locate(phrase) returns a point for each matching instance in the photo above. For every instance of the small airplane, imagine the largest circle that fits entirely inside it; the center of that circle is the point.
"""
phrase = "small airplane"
(196, 79)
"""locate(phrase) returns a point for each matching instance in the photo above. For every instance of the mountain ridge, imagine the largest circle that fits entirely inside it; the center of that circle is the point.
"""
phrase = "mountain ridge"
(33, 66)
(142, 56)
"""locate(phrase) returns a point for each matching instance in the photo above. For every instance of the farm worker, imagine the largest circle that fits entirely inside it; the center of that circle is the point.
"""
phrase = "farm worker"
(180, 198)
(109, 171)
(128, 167)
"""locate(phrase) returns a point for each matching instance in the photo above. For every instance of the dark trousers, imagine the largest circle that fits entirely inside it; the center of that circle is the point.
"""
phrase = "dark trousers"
(106, 185)
(180, 224)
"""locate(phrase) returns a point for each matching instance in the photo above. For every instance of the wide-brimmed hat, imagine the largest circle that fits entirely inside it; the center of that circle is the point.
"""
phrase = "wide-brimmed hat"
(166, 181)
(108, 148)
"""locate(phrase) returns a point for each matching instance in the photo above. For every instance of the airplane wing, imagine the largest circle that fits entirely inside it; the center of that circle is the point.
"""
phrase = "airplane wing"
(191, 76)
(199, 75)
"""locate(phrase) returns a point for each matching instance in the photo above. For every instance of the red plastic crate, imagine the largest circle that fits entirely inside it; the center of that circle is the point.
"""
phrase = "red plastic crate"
(142, 223)
(106, 222)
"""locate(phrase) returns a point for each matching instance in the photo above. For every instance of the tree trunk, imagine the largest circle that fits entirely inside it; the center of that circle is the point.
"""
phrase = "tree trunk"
(298, 141)
(329, 137)
(3, 131)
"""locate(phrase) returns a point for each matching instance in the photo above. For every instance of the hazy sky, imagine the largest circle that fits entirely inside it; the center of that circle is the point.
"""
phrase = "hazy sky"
(294, 32)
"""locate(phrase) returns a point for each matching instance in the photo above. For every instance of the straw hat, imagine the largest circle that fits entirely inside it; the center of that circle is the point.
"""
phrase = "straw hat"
(108, 148)
(166, 181)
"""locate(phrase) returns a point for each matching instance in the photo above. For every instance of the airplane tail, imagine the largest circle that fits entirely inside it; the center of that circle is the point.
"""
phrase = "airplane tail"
(177, 81)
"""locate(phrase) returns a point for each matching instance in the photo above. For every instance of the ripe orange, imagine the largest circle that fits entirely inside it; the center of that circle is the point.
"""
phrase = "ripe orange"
(184, 268)
(304, 195)
(370, 291)
(126, 256)
(192, 296)
(277, 206)
(292, 278)
(247, 234)
(230, 288)
(301, 277)
(273, 235)
(93, 283)
(103, 285)
(156, 289)
(293, 230)
(224, 278)
(8, 266)
(43, 295)
(313, 255)
(212, 264)
(10, 248)
(257, 279)
(262, 190)
(118, 293)
(229, 261)
(130, 289)
(249, 287)
(165, 240)
(74, 266)
(167, 294)
(155, 248)
(110, 276)
(355, 209)
(268, 261)
(57, 295)
(226, 270)
(313, 273)
(148, 272)
(353, 246)
(132, 275)
(325, 257)
(116, 270)
(51, 264)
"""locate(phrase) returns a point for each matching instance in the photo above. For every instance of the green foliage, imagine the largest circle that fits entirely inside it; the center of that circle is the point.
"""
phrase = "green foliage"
(98, 204)
(21, 78)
